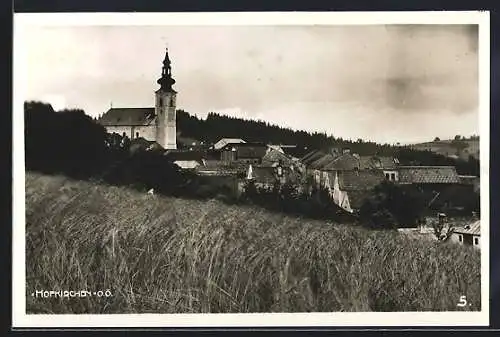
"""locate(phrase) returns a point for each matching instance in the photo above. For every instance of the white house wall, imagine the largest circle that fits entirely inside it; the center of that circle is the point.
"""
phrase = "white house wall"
(455, 238)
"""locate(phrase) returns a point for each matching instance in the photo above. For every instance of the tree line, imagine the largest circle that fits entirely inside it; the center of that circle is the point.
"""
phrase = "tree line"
(217, 126)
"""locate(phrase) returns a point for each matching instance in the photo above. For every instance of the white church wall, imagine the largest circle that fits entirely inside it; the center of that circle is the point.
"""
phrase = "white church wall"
(146, 132)
(120, 130)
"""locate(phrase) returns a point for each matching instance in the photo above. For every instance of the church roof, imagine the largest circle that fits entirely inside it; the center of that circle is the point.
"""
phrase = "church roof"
(127, 117)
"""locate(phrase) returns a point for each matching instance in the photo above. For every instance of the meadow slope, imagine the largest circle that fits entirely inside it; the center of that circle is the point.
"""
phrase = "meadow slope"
(165, 255)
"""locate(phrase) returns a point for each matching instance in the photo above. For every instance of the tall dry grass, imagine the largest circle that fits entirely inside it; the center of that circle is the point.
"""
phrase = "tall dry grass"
(166, 255)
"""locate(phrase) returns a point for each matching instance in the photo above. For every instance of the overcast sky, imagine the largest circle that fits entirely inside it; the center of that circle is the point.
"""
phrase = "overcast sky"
(383, 83)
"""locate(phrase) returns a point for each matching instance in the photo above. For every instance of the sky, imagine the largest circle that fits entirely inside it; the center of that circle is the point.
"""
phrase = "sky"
(384, 83)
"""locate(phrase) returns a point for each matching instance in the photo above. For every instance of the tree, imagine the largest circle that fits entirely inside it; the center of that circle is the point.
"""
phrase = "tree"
(459, 145)
(390, 206)
(66, 141)
(442, 230)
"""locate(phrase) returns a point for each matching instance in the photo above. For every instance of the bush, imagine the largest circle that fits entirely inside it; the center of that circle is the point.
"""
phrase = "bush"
(391, 206)
(151, 170)
(289, 198)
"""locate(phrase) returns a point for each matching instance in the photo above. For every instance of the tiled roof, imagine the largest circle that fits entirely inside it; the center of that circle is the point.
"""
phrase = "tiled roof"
(473, 229)
(250, 151)
(221, 165)
(357, 184)
(376, 162)
(127, 117)
(225, 141)
(312, 157)
(322, 161)
(265, 175)
(343, 162)
(360, 180)
(428, 175)
(274, 156)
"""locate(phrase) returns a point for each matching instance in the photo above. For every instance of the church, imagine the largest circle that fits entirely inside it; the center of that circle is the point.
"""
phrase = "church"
(153, 124)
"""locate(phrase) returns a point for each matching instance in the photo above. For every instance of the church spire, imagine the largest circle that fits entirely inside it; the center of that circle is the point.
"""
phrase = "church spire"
(166, 81)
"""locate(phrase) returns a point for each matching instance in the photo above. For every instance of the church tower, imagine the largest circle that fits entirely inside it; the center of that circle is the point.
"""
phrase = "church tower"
(165, 108)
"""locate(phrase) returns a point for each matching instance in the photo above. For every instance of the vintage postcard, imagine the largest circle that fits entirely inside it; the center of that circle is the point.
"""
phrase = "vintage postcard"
(251, 169)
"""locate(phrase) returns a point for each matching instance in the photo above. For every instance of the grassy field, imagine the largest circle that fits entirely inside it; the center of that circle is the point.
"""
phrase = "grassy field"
(164, 255)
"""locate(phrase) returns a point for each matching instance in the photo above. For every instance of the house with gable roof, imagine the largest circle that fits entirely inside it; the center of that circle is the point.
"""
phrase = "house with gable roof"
(469, 234)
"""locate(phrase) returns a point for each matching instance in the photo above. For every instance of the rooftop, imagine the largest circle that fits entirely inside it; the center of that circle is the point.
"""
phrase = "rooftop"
(225, 141)
(473, 228)
(428, 175)
(127, 117)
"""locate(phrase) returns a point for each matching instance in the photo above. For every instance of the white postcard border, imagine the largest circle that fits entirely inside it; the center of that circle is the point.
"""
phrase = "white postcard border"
(355, 319)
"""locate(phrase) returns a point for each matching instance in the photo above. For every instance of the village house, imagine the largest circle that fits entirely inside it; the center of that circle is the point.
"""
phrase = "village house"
(156, 123)
(267, 177)
(187, 160)
(431, 176)
(250, 153)
(349, 189)
(470, 180)
(441, 185)
(227, 141)
(388, 165)
(469, 235)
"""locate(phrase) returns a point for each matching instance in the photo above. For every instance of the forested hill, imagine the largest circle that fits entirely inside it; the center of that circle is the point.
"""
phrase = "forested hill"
(218, 126)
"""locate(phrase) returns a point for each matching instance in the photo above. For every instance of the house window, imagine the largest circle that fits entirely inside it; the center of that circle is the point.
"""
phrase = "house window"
(476, 241)
(387, 176)
(393, 176)
(460, 238)
(137, 135)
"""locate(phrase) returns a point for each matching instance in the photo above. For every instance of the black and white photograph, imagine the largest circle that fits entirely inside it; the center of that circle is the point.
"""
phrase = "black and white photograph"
(294, 169)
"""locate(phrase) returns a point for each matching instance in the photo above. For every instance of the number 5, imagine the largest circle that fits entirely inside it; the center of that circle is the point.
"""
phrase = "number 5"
(462, 302)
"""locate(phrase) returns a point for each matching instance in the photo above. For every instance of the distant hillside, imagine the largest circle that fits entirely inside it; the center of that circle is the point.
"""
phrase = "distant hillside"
(460, 146)
(166, 255)
(218, 126)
